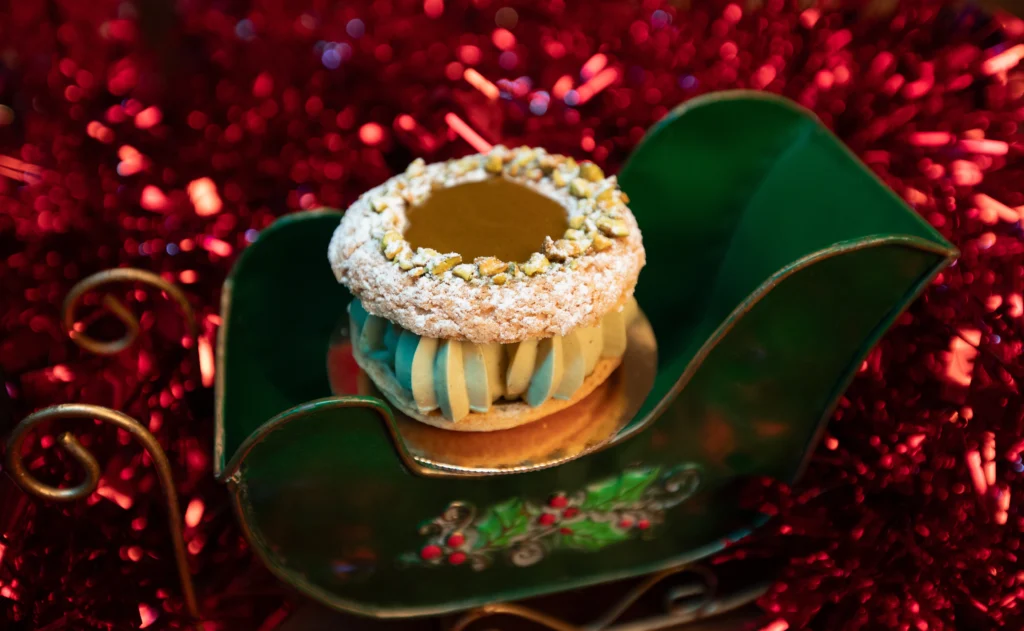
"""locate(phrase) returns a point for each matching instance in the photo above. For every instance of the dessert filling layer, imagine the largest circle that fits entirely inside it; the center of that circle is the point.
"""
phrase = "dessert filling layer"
(461, 377)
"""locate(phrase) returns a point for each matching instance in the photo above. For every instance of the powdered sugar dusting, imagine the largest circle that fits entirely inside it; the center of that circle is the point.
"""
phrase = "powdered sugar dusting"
(444, 306)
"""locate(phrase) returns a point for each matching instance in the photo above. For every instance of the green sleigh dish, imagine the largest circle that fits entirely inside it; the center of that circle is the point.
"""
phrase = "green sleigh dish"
(776, 260)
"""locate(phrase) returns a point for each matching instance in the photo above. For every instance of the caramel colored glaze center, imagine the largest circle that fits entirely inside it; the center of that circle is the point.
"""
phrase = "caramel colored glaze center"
(494, 217)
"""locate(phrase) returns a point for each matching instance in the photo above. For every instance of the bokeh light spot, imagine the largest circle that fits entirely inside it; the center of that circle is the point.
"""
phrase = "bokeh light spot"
(433, 8)
(355, 28)
(503, 39)
(506, 17)
(371, 134)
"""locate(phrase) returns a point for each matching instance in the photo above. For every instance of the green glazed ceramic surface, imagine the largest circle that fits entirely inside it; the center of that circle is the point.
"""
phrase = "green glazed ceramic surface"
(776, 260)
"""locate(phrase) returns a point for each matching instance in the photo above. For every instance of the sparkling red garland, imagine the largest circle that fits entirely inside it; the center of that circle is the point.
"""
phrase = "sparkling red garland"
(165, 135)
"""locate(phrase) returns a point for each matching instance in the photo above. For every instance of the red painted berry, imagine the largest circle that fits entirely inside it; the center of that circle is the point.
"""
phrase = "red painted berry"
(457, 558)
(558, 501)
(643, 524)
(429, 553)
(546, 519)
(456, 540)
(626, 523)
(566, 531)
(569, 513)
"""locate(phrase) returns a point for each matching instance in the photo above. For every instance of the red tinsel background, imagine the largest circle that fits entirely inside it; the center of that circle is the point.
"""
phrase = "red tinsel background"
(165, 135)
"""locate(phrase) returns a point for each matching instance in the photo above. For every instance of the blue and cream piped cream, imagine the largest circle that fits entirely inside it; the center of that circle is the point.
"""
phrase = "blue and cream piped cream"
(457, 378)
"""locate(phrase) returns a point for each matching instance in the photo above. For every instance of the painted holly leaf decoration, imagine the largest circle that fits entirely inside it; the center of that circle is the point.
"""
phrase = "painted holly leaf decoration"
(599, 515)
(624, 489)
(504, 522)
(592, 535)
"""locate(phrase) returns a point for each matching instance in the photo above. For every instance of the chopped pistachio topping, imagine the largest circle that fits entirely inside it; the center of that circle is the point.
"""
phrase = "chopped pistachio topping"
(404, 260)
(613, 227)
(393, 248)
(465, 271)
(564, 249)
(581, 188)
(592, 172)
(597, 213)
(601, 242)
(423, 255)
(390, 237)
(489, 266)
(416, 167)
(524, 155)
(537, 264)
(440, 266)
(494, 164)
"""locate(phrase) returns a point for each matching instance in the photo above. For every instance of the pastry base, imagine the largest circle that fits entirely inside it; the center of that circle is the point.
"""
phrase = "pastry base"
(556, 438)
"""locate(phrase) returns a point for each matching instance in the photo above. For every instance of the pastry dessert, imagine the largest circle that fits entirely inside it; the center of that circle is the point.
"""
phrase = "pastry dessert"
(492, 290)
